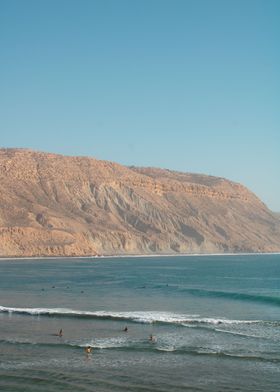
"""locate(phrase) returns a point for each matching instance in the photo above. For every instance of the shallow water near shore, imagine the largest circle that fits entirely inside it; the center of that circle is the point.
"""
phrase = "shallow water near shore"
(216, 320)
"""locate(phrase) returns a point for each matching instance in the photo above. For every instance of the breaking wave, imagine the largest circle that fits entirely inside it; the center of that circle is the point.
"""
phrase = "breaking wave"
(148, 317)
(121, 344)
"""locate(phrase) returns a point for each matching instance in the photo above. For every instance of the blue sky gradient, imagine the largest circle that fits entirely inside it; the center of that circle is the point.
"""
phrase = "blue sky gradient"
(189, 85)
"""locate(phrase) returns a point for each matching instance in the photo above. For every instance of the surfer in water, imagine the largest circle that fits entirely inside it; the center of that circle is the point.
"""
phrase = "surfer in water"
(152, 339)
(125, 329)
(60, 334)
(88, 350)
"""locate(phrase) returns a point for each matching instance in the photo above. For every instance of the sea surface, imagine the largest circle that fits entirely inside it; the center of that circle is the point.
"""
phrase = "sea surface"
(215, 322)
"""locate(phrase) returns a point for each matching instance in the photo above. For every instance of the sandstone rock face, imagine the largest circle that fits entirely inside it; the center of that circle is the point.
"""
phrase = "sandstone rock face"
(52, 205)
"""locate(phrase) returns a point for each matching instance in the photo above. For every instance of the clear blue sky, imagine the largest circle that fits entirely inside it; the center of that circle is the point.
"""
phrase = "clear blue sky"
(189, 85)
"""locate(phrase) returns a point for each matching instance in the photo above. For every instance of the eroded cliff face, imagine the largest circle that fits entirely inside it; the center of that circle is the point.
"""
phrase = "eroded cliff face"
(52, 205)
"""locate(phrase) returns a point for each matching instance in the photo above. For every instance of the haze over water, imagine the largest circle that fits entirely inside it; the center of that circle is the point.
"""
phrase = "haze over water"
(216, 320)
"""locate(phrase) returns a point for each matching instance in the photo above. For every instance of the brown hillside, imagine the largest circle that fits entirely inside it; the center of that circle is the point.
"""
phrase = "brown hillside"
(56, 205)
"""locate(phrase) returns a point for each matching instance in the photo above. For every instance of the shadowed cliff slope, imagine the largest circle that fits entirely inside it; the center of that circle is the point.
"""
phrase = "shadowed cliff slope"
(56, 205)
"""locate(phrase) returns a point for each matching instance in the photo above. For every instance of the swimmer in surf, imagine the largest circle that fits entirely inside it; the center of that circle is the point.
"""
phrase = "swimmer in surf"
(88, 350)
(152, 339)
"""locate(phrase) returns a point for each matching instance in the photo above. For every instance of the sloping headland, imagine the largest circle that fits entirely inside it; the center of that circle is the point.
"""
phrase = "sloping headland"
(53, 205)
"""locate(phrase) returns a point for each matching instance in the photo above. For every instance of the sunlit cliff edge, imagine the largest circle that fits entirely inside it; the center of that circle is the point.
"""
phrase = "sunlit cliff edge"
(53, 205)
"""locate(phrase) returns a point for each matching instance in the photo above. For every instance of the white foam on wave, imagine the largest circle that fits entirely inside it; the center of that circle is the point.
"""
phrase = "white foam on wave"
(167, 349)
(146, 317)
(107, 343)
(42, 311)
(217, 321)
(140, 316)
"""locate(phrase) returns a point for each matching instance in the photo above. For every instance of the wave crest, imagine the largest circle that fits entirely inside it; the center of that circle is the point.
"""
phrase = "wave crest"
(146, 317)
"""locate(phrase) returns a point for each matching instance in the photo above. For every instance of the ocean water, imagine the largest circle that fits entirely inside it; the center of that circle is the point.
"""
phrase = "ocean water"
(215, 319)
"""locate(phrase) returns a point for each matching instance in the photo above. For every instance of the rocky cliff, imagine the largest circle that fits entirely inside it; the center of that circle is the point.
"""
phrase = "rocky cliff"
(52, 205)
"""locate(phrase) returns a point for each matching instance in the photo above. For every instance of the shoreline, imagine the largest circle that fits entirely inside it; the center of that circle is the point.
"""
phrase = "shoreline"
(12, 258)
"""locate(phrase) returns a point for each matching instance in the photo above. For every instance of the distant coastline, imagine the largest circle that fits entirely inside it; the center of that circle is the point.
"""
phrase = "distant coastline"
(54, 205)
(4, 258)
